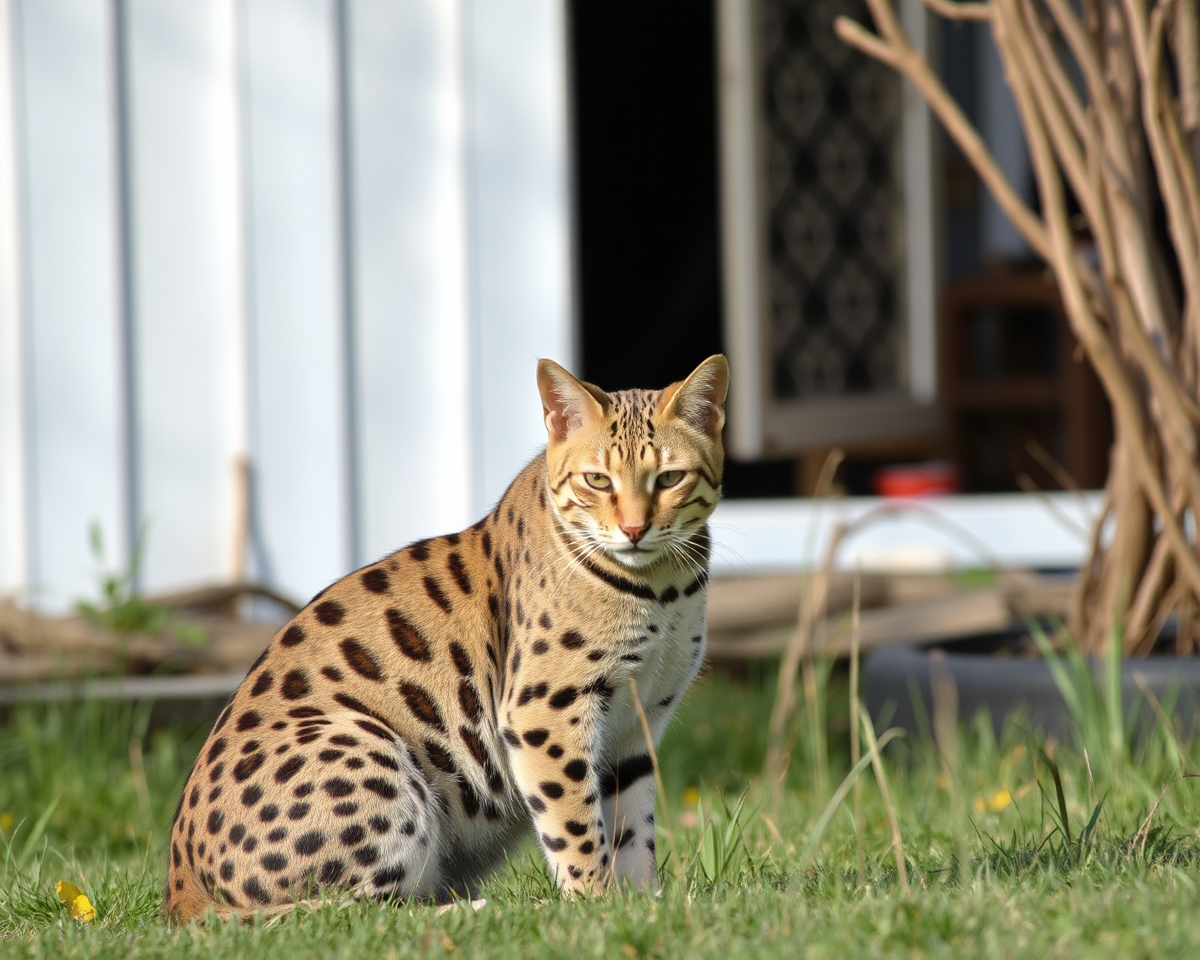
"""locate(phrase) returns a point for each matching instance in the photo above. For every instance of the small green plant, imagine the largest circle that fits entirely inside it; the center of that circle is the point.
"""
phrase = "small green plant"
(722, 854)
(121, 608)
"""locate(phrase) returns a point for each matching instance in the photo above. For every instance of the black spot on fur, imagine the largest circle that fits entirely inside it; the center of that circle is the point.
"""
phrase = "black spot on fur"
(262, 683)
(511, 737)
(293, 636)
(298, 811)
(535, 738)
(454, 564)
(360, 660)
(375, 580)
(273, 862)
(576, 770)
(383, 760)
(331, 872)
(554, 751)
(249, 720)
(462, 662)
(419, 551)
(247, 766)
(468, 699)
(255, 891)
(338, 787)
(575, 828)
(333, 673)
(268, 813)
(330, 613)
(564, 698)
(217, 748)
(439, 756)
(216, 820)
(237, 833)
(347, 808)
(572, 640)
(344, 740)
(434, 591)
(551, 789)
(381, 824)
(407, 637)
(533, 692)
(295, 685)
(486, 542)
(421, 703)
(389, 876)
(289, 768)
(536, 803)
(628, 772)
(309, 843)
(554, 843)
(378, 785)
(540, 646)
(670, 595)
(251, 795)
(365, 856)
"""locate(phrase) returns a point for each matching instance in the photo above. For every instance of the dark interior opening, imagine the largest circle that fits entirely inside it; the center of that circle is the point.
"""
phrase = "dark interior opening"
(644, 111)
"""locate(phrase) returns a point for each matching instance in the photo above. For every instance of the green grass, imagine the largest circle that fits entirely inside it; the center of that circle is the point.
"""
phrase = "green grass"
(1061, 870)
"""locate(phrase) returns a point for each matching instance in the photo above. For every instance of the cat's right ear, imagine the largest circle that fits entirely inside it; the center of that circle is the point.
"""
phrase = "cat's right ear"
(567, 403)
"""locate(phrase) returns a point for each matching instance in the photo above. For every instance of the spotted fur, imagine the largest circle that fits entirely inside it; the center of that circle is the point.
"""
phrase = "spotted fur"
(400, 736)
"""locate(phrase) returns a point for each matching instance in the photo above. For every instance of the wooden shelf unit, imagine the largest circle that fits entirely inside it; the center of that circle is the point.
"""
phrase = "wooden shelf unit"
(1011, 372)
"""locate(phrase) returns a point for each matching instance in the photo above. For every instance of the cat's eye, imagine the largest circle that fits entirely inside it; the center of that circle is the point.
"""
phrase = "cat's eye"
(668, 478)
(597, 481)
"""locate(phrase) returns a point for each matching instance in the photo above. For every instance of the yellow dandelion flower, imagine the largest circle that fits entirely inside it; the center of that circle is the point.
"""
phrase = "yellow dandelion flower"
(6, 821)
(76, 901)
(943, 780)
(691, 797)
(995, 802)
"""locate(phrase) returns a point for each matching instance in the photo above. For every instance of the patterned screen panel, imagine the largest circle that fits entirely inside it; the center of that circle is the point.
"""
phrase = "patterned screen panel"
(832, 127)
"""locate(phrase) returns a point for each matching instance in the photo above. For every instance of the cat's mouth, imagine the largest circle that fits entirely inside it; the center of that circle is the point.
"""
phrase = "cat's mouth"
(633, 555)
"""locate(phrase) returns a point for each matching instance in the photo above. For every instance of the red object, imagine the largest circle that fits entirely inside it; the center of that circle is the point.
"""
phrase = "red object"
(917, 480)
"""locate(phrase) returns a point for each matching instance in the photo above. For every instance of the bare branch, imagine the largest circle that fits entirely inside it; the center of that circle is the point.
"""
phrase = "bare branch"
(899, 54)
(954, 10)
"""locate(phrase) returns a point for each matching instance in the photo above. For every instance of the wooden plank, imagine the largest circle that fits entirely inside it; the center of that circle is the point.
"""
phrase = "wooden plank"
(742, 603)
(973, 611)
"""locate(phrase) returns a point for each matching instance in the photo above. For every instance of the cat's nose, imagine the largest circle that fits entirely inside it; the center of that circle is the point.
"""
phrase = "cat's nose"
(635, 533)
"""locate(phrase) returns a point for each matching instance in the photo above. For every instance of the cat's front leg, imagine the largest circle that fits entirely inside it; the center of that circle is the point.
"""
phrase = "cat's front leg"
(628, 804)
(554, 763)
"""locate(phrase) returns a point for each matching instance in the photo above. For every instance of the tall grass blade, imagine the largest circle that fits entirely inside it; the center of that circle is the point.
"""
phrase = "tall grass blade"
(831, 808)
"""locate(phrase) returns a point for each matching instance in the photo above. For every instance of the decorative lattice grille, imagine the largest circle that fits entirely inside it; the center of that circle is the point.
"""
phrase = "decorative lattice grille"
(833, 198)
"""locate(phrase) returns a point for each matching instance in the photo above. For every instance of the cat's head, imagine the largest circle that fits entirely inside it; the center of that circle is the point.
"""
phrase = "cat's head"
(635, 473)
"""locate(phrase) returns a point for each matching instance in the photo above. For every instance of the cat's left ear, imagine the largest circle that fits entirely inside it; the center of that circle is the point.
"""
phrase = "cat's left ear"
(699, 401)
(567, 403)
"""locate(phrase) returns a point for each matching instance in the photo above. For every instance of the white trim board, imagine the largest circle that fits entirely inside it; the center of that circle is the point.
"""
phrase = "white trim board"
(935, 533)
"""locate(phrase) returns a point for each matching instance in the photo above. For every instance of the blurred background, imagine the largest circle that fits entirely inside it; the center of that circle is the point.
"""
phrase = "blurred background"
(275, 274)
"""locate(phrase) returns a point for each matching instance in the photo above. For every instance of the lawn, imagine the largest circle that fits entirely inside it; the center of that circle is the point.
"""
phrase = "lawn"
(1011, 848)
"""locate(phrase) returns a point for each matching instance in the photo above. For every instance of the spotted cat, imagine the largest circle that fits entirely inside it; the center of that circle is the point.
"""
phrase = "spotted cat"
(400, 734)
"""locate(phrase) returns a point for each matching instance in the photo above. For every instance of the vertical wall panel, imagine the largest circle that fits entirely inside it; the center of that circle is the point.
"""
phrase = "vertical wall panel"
(298, 391)
(187, 302)
(519, 227)
(411, 362)
(14, 542)
(76, 471)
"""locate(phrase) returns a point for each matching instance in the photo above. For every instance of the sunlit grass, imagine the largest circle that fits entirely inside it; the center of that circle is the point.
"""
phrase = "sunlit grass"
(1011, 847)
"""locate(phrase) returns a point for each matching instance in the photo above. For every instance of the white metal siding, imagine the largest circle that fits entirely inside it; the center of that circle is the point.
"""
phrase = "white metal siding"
(329, 239)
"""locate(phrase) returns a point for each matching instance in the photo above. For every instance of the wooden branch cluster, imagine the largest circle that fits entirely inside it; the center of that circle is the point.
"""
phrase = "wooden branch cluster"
(1123, 138)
